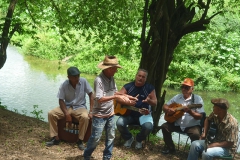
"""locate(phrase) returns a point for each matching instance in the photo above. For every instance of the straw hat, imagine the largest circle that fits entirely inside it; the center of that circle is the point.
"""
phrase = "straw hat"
(109, 61)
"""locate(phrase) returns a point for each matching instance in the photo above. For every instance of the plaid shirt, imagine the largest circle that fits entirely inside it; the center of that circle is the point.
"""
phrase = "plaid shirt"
(227, 129)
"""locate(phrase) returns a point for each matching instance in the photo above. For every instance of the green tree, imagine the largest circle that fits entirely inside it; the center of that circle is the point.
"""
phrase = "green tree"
(7, 33)
(163, 23)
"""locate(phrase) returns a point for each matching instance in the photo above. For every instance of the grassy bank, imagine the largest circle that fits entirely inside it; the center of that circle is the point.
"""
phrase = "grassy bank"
(24, 138)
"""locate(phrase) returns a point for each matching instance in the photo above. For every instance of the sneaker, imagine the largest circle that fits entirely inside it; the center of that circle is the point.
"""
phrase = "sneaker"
(106, 158)
(129, 142)
(168, 151)
(138, 145)
(80, 145)
(52, 142)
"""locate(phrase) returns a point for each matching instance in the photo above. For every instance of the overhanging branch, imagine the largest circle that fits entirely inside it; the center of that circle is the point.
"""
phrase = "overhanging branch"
(198, 25)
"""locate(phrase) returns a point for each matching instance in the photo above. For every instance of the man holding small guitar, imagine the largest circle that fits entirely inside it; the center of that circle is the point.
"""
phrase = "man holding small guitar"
(141, 115)
(219, 141)
(183, 114)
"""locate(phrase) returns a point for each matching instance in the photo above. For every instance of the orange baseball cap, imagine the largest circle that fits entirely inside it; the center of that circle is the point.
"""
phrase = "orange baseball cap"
(188, 82)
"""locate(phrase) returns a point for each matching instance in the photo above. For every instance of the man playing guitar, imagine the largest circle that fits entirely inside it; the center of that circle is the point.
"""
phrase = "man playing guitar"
(189, 122)
(146, 97)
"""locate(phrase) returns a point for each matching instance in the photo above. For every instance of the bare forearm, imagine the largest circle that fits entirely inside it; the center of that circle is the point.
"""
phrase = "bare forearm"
(106, 98)
(195, 114)
(63, 106)
(224, 144)
(91, 100)
(152, 102)
(151, 99)
(165, 108)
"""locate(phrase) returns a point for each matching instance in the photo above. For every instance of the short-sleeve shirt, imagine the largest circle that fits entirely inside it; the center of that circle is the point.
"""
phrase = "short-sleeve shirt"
(227, 129)
(142, 93)
(187, 120)
(103, 86)
(74, 97)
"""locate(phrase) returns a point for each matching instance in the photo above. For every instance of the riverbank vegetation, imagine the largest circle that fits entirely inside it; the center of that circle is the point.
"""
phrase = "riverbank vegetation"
(210, 57)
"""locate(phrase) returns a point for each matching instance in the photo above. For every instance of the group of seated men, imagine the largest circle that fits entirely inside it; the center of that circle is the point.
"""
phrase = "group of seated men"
(140, 95)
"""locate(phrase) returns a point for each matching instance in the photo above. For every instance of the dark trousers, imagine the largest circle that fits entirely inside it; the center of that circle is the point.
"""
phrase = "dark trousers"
(167, 129)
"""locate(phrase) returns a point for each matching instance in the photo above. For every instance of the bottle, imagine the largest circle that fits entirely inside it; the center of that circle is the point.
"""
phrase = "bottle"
(66, 128)
(76, 129)
(71, 130)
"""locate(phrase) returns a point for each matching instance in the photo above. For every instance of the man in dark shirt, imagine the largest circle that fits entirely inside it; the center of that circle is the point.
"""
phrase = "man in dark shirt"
(146, 98)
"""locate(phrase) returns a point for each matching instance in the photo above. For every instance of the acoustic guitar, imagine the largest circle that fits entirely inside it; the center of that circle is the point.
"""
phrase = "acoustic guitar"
(124, 110)
(178, 108)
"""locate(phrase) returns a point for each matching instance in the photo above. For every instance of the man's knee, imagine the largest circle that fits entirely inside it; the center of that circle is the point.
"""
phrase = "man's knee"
(197, 145)
(147, 126)
(165, 127)
(120, 122)
(205, 155)
(50, 114)
(194, 136)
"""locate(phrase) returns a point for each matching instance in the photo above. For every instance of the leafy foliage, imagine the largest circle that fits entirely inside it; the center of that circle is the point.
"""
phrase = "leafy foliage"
(209, 56)
(83, 39)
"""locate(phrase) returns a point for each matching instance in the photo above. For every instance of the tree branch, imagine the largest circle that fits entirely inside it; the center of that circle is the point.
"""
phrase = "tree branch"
(144, 22)
(206, 10)
(29, 12)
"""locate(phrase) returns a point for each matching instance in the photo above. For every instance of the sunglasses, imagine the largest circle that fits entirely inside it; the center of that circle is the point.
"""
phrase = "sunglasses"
(186, 87)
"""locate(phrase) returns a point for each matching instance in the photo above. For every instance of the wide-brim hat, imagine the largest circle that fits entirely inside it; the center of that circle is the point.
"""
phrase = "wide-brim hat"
(109, 61)
(188, 82)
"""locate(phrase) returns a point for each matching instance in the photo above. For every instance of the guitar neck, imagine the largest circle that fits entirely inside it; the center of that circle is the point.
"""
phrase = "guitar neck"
(131, 108)
(179, 109)
(189, 106)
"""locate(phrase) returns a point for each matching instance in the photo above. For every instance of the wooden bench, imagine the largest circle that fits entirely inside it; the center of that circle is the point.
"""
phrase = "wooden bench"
(71, 137)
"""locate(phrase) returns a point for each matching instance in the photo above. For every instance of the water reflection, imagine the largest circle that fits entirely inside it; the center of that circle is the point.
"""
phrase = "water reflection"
(26, 81)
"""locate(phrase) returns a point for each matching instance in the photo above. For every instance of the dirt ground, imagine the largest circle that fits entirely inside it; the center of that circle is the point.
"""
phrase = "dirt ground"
(23, 138)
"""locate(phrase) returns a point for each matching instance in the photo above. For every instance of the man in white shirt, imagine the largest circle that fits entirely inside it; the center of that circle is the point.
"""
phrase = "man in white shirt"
(189, 122)
(72, 102)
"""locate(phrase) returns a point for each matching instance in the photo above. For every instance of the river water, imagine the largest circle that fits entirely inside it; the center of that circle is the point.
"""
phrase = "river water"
(27, 81)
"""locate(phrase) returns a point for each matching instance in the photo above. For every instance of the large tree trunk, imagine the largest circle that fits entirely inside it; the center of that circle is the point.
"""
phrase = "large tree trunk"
(6, 36)
(169, 21)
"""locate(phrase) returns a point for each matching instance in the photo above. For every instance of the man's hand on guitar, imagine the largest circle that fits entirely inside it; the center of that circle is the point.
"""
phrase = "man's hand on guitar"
(170, 111)
(126, 100)
(144, 111)
(186, 109)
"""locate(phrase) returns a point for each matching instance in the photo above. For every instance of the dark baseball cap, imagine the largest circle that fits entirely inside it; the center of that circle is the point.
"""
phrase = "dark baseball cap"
(73, 71)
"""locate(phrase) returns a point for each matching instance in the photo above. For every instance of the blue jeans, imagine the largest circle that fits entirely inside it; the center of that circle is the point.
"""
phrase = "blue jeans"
(98, 125)
(122, 123)
(197, 147)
